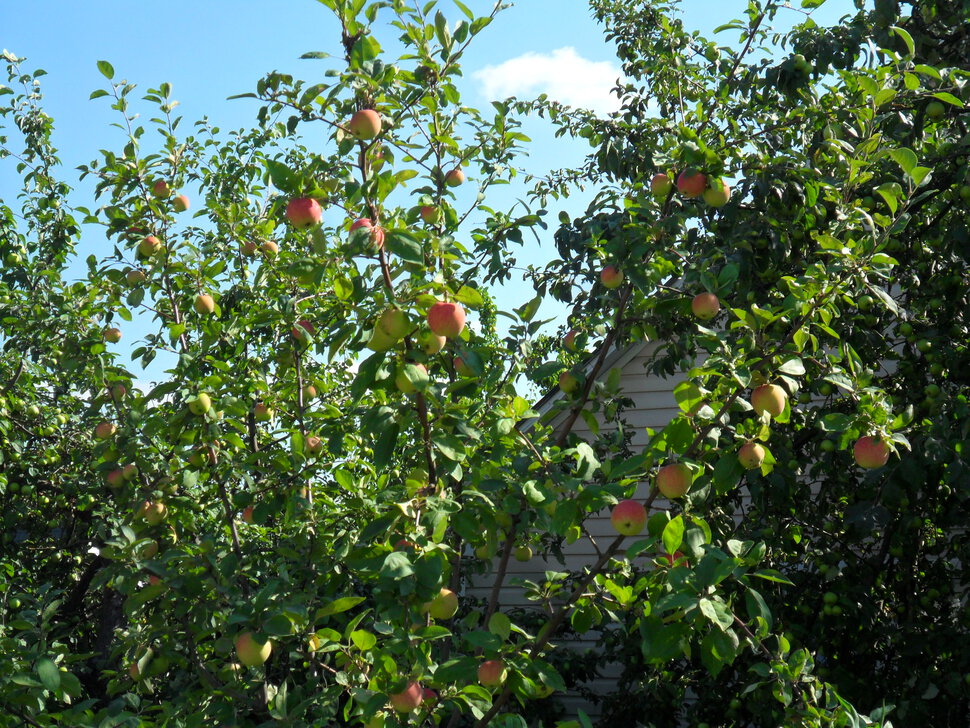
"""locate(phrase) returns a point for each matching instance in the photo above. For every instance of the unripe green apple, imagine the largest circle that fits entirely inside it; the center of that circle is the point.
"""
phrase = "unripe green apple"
(717, 193)
(935, 110)
(769, 398)
(443, 606)
(201, 404)
(251, 651)
(523, 553)
(660, 185)
(429, 342)
(751, 455)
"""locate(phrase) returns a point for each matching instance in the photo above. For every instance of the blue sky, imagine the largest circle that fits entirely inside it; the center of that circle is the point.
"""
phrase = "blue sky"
(211, 49)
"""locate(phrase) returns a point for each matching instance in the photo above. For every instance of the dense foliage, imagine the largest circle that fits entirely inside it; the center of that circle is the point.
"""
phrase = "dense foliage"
(269, 534)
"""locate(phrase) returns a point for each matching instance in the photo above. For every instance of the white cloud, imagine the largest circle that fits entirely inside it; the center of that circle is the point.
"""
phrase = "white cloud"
(563, 75)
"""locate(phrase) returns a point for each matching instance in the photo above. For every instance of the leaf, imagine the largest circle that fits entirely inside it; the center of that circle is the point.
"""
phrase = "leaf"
(338, 605)
(404, 246)
(396, 566)
(282, 176)
(279, 625)
(907, 38)
(528, 310)
(363, 639)
(48, 673)
(499, 624)
(905, 158)
(469, 296)
(673, 534)
(107, 70)
(810, 4)
(772, 575)
(793, 366)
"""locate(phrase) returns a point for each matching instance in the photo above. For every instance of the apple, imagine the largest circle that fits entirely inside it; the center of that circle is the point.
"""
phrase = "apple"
(303, 212)
(455, 177)
(408, 699)
(115, 478)
(154, 580)
(263, 412)
(611, 277)
(394, 324)
(429, 342)
(444, 605)
(111, 335)
(251, 651)
(314, 445)
(691, 183)
(149, 246)
(270, 248)
(376, 232)
(446, 318)
(462, 367)
(129, 471)
(935, 110)
(674, 480)
(201, 404)
(751, 455)
(871, 452)
(965, 193)
(569, 340)
(248, 248)
(134, 276)
(769, 398)
(153, 513)
(717, 193)
(133, 672)
(302, 328)
(705, 306)
(431, 215)
(365, 124)
(181, 203)
(629, 517)
(380, 341)
(673, 558)
(118, 392)
(204, 304)
(430, 696)
(568, 382)
(247, 514)
(309, 392)
(104, 430)
(148, 551)
(523, 553)
(660, 185)
(405, 385)
(492, 673)
(161, 190)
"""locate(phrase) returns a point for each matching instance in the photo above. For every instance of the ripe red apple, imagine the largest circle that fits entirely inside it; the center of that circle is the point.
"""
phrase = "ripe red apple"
(314, 445)
(455, 177)
(444, 605)
(118, 392)
(365, 124)
(871, 452)
(717, 193)
(104, 430)
(751, 455)
(705, 306)
(446, 318)
(161, 190)
(492, 673)
(262, 412)
(303, 212)
(431, 215)
(569, 340)
(248, 247)
(769, 398)
(404, 384)
(408, 699)
(247, 514)
(149, 246)
(629, 517)
(115, 478)
(568, 382)
(270, 248)
(302, 328)
(673, 558)
(251, 651)
(674, 480)
(154, 580)
(204, 304)
(462, 367)
(430, 696)
(660, 185)
(201, 404)
(112, 335)
(611, 277)
(429, 342)
(691, 183)
(181, 203)
(376, 232)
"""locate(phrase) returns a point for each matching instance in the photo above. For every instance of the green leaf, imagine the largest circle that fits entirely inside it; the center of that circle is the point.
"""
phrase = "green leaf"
(107, 70)
(673, 534)
(499, 624)
(363, 639)
(470, 297)
(905, 158)
(404, 246)
(282, 176)
(809, 4)
(279, 625)
(396, 566)
(48, 673)
(907, 38)
(793, 366)
(338, 605)
(772, 575)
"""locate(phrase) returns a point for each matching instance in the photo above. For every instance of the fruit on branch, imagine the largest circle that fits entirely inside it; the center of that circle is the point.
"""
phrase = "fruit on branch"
(248, 248)
(263, 412)
(118, 392)
(717, 193)
(148, 551)
(871, 452)
(405, 385)
(935, 110)
(751, 455)
(674, 480)
(705, 306)
(691, 183)
(104, 430)
(455, 178)
(247, 514)
(429, 342)
(152, 513)
(251, 651)
(149, 246)
(443, 606)
(629, 517)
(181, 203)
(309, 392)
(365, 124)
(523, 553)
(769, 398)
(302, 328)
(115, 478)
(314, 445)
(611, 277)
(462, 367)
(201, 404)
(569, 340)
(408, 699)
(302, 212)
(376, 232)
(204, 304)
(112, 335)
(492, 673)
(446, 318)
(393, 324)
(660, 185)
(568, 382)
(270, 248)
(673, 558)
(431, 215)
(134, 276)
(161, 190)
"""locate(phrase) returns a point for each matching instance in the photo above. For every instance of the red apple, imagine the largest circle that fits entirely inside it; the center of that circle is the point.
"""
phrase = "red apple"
(629, 517)
(153, 513)
(751, 455)
(769, 398)
(492, 673)
(394, 324)
(262, 412)
(705, 306)
(443, 606)
(104, 430)
(871, 452)
(446, 318)
(248, 247)
(181, 203)
(611, 277)
(376, 232)
(365, 124)
(717, 193)
(455, 177)
(161, 189)
(569, 341)
(430, 696)
(302, 328)
(660, 185)
(129, 471)
(251, 651)
(674, 480)
(303, 212)
(462, 367)
(115, 478)
(111, 335)
(691, 183)
(408, 699)
(430, 215)
(247, 514)
(149, 246)
(568, 382)
(204, 304)
(673, 558)
(118, 392)
(309, 392)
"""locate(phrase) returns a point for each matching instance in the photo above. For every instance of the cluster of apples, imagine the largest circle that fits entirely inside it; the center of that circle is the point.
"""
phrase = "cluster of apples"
(692, 183)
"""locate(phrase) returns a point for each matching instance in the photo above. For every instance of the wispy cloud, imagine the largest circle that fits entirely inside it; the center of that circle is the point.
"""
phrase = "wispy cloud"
(563, 75)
